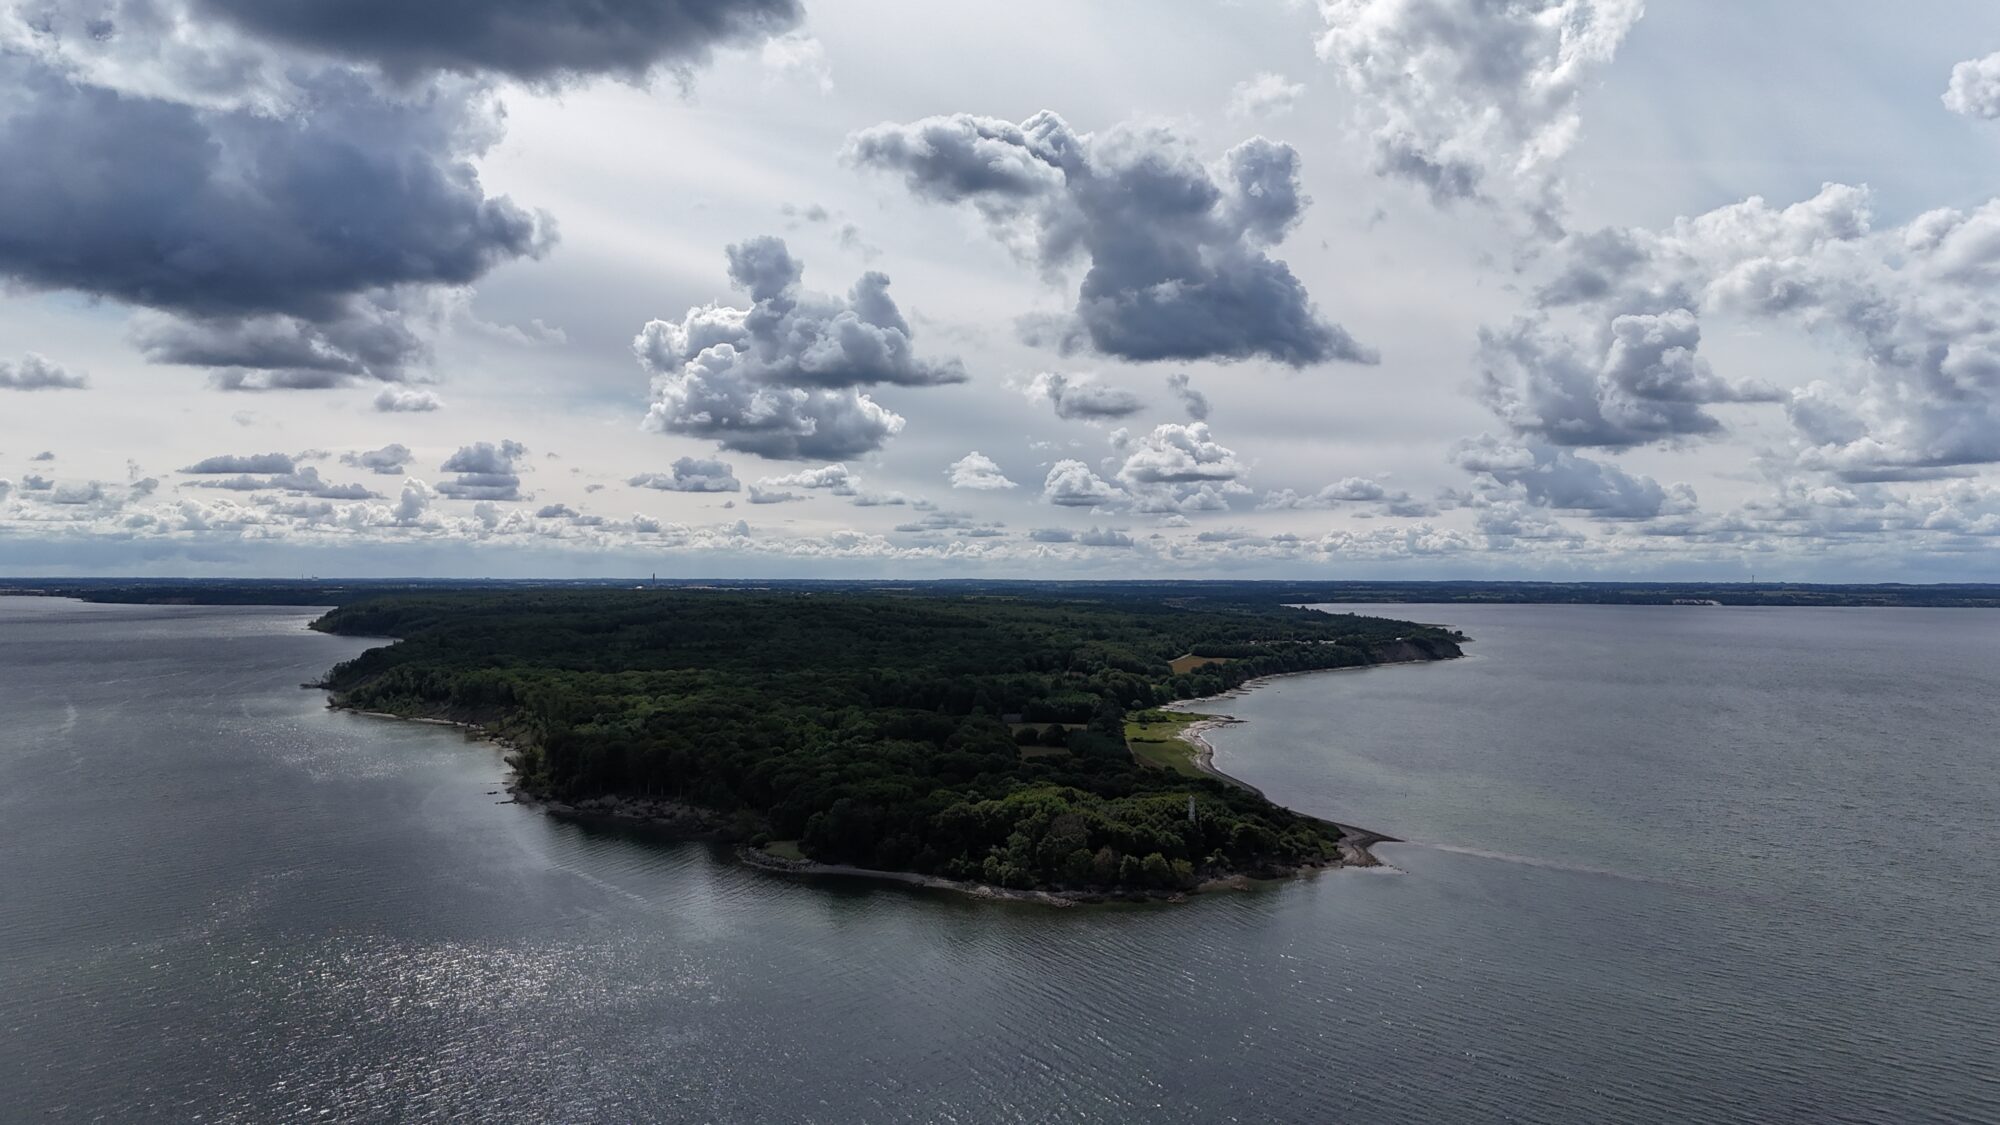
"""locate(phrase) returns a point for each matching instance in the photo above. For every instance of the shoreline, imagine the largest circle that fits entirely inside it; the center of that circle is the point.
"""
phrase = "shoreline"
(1355, 841)
(690, 823)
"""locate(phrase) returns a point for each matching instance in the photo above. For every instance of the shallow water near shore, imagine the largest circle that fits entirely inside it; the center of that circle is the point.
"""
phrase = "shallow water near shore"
(1666, 864)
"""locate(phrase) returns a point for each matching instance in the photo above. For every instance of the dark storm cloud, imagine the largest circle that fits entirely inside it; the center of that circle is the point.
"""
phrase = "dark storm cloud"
(276, 240)
(533, 40)
(1177, 257)
(218, 213)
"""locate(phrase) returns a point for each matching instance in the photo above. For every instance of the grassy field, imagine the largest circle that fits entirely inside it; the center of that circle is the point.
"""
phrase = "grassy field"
(1154, 739)
(784, 849)
(1182, 665)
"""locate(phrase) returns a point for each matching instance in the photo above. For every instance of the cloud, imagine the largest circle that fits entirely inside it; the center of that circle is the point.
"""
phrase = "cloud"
(780, 378)
(485, 472)
(388, 460)
(761, 495)
(304, 481)
(44, 455)
(1351, 490)
(279, 237)
(978, 472)
(251, 463)
(1642, 382)
(832, 478)
(372, 337)
(1181, 458)
(1911, 312)
(1557, 478)
(691, 474)
(555, 512)
(1104, 537)
(1193, 401)
(1052, 535)
(1266, 95)
(539, 41)
(1081, 397)
(1975, 88)
(1474, 100)
(1071, 484)
(407, 400)
(36, 373)
(801, 56)
(1177, 257)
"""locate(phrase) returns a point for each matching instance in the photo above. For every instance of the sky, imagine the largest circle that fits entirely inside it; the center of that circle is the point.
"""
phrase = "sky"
(1577, 289)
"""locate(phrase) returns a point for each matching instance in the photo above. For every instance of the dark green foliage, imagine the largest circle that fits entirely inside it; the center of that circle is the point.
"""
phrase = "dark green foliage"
(868, 725)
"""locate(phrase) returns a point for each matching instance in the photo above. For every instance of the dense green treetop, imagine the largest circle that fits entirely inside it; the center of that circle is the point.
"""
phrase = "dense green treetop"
(906, 731)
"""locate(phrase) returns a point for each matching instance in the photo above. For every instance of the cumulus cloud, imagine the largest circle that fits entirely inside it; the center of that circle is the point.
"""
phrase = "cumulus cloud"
(780, 379)
(978, 472)
(1474, 100)
(303, 481)
(1379, 499)
(1103, 537)
(1548, 477)
(1174, 453)
(541, 41)
(485, 472)
(1266, 95)
(831, 478)
(387, 461)
(249, 463)
(1913, 309)
(1072, 484)
(1975, 88)
(277, 237)
(36, 373)
(1193, 401)
(691, 474)
(407, 400)
(1177, 249)
(1081, 397)
(1642, 381)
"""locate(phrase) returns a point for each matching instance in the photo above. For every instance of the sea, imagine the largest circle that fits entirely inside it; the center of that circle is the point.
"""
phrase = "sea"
(1659, 864)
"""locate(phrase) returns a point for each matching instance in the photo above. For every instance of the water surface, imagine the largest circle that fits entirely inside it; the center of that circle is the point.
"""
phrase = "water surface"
(1666, 864)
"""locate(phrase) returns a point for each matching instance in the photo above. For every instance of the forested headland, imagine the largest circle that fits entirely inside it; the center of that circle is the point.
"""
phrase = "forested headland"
(971, 737)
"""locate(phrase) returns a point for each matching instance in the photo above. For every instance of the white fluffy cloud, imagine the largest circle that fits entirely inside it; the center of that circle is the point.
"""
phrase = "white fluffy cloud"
(1472, 99)
(978, 472)
(407, 400)
(780, 378)
(1975, 87)
(1265, 95)
(1072, 484)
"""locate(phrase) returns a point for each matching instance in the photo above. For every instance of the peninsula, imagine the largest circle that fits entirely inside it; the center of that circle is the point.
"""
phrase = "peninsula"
(1008, 743)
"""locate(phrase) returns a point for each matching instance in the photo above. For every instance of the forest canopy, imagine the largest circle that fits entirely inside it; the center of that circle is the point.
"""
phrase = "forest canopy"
(975, 737)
